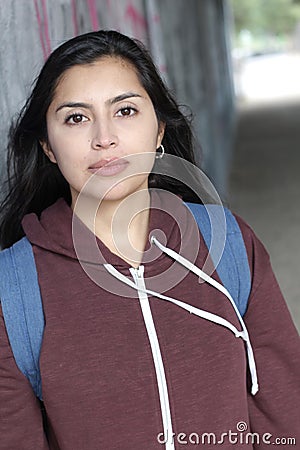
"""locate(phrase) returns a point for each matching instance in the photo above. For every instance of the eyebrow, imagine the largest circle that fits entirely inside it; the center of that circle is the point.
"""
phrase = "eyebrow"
(111, 101)
(124, 96)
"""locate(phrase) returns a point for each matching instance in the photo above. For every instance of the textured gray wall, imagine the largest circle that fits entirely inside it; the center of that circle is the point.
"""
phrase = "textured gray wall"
(199, 68)
(188, 40)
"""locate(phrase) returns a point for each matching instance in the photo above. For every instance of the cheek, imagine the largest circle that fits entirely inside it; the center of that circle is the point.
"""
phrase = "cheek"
(146, 136)
(67, 151)
(69, 164)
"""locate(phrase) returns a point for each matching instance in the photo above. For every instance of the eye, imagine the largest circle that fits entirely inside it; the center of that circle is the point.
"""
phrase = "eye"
(126, 111)
(75, 118)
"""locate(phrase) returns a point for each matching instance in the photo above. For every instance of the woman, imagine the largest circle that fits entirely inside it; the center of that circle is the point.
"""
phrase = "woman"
(121, 367)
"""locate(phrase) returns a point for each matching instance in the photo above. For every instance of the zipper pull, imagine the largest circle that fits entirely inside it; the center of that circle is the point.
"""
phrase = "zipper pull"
(139, 271)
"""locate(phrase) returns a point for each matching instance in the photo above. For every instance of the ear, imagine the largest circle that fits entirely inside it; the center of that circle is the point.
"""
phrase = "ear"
(48, 152)
(161, 132)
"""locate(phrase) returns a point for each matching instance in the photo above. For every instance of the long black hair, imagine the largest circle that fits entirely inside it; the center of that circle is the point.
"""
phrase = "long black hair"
(33, 182)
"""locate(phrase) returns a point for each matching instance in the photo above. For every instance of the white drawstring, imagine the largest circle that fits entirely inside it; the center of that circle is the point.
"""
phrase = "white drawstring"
(191, 309)
(190, 266)
(245, 335)
(197, 311)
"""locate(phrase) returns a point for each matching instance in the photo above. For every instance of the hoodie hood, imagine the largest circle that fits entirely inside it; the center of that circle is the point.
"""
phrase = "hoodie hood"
(169, 220)
(53, 230)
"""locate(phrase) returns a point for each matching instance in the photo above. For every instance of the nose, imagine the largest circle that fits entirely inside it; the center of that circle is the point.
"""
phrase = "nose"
(103, 137)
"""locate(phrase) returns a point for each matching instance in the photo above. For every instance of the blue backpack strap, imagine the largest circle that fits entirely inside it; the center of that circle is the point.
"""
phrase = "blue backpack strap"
(233, 267)
(22, 309)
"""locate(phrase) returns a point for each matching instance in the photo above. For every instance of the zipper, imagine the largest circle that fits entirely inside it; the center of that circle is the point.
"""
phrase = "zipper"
(138, 276)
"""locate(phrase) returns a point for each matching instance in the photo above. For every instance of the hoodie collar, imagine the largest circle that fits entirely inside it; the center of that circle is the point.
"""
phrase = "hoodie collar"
(168, 220)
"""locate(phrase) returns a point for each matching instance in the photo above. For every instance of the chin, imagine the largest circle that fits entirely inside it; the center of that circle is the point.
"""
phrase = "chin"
(107, 190)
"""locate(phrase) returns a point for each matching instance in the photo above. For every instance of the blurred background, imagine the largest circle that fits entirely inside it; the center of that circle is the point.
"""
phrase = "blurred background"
(234, 63)
(264, 180)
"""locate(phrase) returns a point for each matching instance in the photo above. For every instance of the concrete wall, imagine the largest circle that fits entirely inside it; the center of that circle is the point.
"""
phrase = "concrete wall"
(188, 40)
(197, 50)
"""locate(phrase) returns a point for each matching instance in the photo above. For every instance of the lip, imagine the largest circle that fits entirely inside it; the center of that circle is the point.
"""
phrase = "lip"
(109, 167)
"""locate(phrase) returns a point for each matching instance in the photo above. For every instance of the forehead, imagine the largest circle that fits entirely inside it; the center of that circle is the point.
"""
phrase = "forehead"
(105, 76)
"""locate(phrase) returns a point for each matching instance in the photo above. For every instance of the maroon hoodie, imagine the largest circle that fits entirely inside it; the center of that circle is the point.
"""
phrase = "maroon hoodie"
(103, 385)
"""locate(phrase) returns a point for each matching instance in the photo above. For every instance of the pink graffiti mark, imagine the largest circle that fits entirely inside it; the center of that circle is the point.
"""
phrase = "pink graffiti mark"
(74, 17)
(43, 25)
(93, 14)
(163, 68)
(139, 23)
(46, 26)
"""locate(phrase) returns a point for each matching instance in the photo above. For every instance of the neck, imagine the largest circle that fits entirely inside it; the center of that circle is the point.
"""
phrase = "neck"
(122, 225)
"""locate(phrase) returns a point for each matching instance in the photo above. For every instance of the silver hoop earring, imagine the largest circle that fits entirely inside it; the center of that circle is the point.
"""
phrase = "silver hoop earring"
(160, 154)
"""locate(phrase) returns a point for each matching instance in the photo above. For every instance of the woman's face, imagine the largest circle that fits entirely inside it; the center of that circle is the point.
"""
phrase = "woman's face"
(99, 116)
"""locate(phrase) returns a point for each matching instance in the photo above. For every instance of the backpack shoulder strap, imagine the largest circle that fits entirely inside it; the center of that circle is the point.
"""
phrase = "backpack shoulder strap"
(233, 266)
(22, 309)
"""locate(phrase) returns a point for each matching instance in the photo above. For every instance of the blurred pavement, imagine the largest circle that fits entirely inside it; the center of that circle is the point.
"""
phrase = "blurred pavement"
(265, 187)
